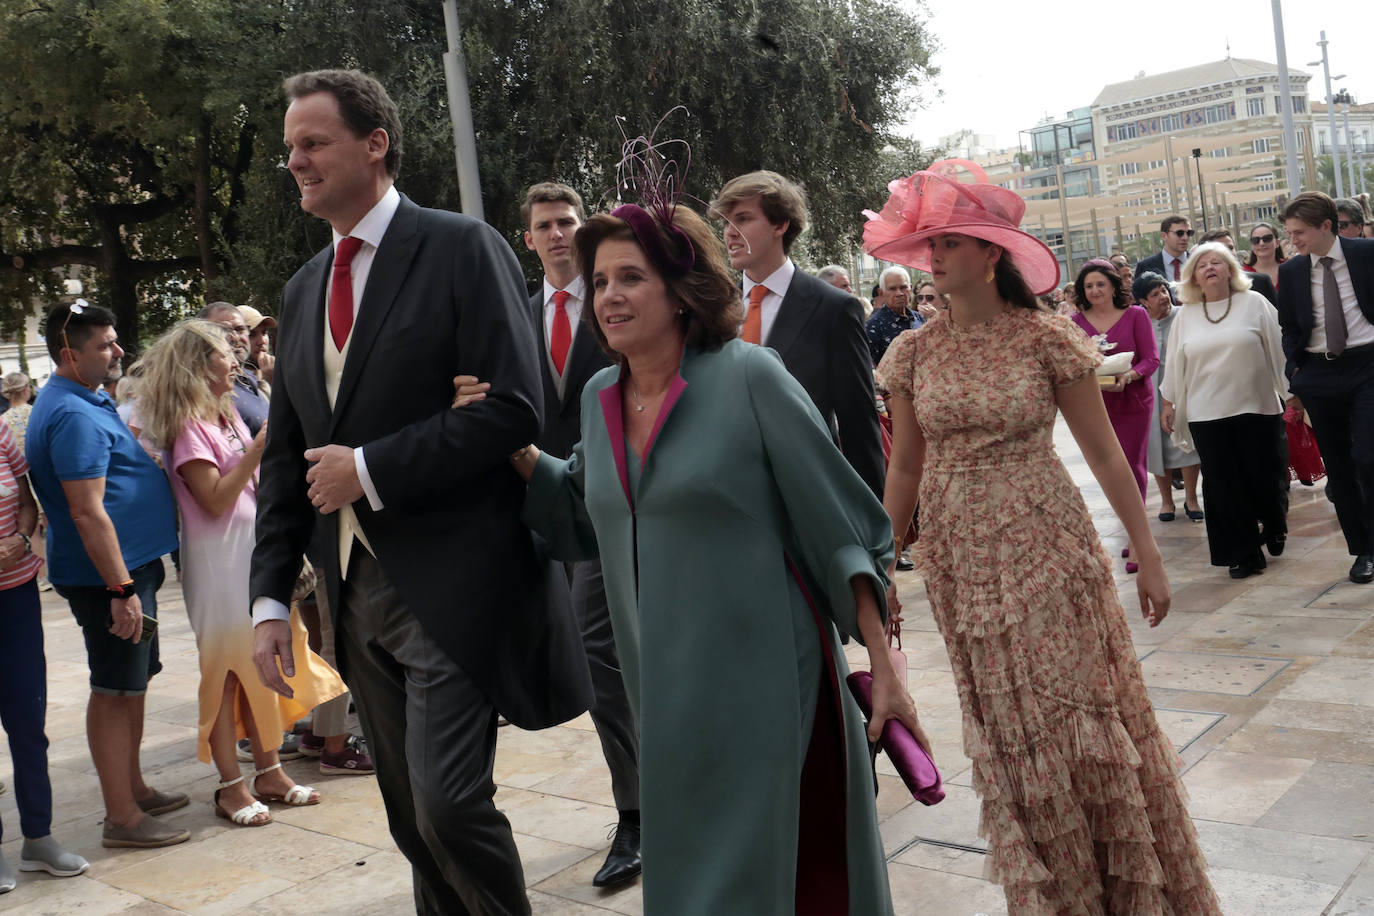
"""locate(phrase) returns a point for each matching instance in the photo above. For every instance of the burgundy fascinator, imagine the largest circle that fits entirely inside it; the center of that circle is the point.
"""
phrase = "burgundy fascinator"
(935, 202)
(657, 181)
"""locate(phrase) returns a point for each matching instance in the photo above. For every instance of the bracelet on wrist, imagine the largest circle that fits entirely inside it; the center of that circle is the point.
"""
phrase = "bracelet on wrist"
(124, 591)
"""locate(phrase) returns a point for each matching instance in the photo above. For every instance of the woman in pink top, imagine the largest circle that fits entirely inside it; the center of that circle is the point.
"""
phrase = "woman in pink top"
(1104, 308)
(185, 407)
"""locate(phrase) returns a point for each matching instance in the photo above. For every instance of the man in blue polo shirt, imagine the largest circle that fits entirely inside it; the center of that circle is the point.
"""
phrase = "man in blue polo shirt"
(110, 520)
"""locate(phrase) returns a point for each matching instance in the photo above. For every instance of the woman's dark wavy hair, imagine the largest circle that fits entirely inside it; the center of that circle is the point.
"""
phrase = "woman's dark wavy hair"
(1279, 256)
(710, 301)
(1011, 286)
(1120, 298)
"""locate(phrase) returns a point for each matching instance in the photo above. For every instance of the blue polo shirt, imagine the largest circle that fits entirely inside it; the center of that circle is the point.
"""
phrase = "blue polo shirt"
(75, 434)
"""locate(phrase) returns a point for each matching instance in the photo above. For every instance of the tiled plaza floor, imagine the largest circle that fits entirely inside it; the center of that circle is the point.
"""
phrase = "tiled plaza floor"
(1265, 685)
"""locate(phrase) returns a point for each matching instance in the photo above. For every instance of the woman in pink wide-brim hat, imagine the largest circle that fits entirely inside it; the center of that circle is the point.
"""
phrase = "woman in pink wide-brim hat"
(1081, 802)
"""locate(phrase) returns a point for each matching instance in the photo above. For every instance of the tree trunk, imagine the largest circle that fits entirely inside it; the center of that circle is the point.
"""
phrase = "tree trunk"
(204, 236)
(121, 287)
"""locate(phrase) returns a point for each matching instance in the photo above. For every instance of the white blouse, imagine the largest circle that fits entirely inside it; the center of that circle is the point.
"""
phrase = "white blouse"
(1224, 369)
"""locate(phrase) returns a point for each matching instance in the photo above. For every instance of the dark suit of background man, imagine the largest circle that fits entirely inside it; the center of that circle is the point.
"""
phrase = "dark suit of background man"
(816, 329)
(1326, 311)
(443, 614)
(568, 358)
(1175, 233)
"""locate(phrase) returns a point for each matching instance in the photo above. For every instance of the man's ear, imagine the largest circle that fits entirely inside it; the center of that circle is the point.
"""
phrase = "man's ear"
(378, 143)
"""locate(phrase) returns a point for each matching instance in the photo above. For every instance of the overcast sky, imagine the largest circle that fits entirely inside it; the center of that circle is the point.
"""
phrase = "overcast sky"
(1005, 64)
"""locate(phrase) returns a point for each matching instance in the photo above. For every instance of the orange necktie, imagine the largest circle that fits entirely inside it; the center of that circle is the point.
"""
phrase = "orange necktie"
(753, 322)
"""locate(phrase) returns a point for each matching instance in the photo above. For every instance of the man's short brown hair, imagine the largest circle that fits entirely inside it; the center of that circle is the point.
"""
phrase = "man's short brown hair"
(1171, 221)
(779, 199)
(1216, 235)
(551, 192)
(1312, 207)
(363, 104)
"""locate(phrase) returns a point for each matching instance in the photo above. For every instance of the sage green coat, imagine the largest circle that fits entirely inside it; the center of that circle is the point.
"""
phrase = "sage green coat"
(719, 647)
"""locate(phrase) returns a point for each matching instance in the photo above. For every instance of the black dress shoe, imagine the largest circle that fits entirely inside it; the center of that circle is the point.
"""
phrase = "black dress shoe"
(1363, 570)
(622, 862)
(1276, 543)
(1196, 515)
(904, 562)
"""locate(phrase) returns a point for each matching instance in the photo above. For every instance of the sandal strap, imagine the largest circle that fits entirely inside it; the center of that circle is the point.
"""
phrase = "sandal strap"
(299, 794)
(265, 770)
(248, 812)
(226, 783)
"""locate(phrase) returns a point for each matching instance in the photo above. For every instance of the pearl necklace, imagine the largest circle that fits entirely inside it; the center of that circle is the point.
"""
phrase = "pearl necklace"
(1223, 314)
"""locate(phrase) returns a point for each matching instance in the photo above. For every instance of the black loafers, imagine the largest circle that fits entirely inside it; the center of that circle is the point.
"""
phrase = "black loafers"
(1276, 543)
(622, 862)
(1363, 569)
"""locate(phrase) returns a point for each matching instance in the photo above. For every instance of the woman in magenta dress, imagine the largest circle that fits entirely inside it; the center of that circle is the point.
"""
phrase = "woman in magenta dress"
(1104, 308)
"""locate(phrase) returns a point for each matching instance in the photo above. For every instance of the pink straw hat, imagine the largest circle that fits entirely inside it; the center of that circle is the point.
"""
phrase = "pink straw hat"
(934, 202)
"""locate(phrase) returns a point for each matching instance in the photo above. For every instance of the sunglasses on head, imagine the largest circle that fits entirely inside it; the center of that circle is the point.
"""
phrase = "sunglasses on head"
(76, 308)
(1261, 239)
(1183, 233)
(924, 297)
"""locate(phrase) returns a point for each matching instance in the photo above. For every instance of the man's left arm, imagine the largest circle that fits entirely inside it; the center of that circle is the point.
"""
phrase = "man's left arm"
(495, 345)
(851, 388)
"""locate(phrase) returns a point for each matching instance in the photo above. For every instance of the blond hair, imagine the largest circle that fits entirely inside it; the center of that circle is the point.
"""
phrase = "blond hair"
(1189, 292)
(174, 384)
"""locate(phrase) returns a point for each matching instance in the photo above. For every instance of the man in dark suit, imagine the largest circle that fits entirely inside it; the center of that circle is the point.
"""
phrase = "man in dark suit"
(1326, 312)
(1175, 233)
(569, 356)
(443, 612)
(816, 329)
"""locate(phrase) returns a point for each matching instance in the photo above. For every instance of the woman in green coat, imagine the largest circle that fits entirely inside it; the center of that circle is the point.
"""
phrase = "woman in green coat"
(734, 539)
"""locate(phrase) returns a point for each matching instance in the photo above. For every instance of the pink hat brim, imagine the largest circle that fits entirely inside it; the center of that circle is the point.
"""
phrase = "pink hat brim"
(1032, 257)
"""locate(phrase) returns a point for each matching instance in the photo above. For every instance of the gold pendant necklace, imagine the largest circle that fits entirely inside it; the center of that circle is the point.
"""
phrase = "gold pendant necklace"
(1223, 314)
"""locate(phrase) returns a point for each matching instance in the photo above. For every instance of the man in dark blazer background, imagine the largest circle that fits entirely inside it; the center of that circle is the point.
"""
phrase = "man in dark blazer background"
(1326, 313)
(817, 329)
(443, 611)
(569, 356)
(1176, 235)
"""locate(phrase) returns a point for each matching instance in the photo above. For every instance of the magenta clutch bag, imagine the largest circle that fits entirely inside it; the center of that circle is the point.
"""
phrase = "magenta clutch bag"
(913, 764)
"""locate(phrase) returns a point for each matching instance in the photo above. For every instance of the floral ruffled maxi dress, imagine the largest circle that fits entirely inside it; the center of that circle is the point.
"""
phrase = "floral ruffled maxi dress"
(1081, 803)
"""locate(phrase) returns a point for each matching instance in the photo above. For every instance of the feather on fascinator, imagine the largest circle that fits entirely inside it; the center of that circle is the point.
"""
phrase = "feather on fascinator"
(935, 202)
(657, 180)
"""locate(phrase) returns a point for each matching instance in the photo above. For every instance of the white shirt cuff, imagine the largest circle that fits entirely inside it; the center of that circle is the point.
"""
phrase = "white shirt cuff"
(265, 608)
(365, 479)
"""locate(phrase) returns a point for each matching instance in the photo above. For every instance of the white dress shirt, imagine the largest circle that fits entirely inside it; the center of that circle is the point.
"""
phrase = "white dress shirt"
(776, 283)
(370, 230)
(1358, 331)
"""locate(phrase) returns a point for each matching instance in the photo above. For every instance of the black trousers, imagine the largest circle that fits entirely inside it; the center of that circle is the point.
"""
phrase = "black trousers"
(1242, 483)
(432, 735)
(1339, 397)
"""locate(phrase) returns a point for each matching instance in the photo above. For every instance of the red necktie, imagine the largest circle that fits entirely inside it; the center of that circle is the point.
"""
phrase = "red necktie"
(560, 338)
(1176, 277)
(753, 321)
(341, 291)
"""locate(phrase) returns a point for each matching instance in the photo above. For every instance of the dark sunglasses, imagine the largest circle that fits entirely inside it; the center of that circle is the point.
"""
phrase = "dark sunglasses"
(924, 297)
(1261, 239)
(1184, 233)
(1346, 224)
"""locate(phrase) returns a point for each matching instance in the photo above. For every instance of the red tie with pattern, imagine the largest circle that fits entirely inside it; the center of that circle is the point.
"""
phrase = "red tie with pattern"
(341, 291)
(560, 338)
(1176, 277)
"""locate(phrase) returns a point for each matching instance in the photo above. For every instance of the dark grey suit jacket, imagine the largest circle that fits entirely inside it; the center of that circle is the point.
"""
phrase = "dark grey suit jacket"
(819, 333)
(1295, 295)
(444, 297)
(562, 426)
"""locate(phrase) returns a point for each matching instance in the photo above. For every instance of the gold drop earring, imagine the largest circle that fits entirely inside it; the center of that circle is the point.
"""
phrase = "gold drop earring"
(991, 274)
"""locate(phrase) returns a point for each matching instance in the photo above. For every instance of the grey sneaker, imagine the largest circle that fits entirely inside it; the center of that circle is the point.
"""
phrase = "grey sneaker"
(290, 748)
(45, 854)
(8, 881)
(150, 833)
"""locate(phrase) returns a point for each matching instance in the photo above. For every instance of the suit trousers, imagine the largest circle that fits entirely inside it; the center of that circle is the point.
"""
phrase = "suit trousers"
(1243, 487)
(615, 724)
(1339, 397)
(432, 735)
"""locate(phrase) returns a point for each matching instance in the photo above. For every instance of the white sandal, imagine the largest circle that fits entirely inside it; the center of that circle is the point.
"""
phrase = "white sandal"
(248, 815)
(297, 796)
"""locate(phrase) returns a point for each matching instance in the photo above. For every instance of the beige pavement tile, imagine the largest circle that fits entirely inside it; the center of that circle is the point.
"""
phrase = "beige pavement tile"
(1248, 892)
(1336, 717)
(284, 851)
(542, 904)
(1359, 644)
(525, 771)
(1265, 635)
(1346, 594)
(1183, 727)
(1357, 899)
(563, 820)
(1323, 860)
(379, 885)
(575, 883)
(944, 858)
(1331, 799)
(42, 895)
(357, 819)
(1204, 672)
(1240, 788)
(1342, 747)
(543, 858)
(923, 892)
(190, 879)
(1334, 680)
(954, 820)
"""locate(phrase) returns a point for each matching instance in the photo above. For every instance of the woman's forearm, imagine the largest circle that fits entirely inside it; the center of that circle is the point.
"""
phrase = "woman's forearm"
(871, 627)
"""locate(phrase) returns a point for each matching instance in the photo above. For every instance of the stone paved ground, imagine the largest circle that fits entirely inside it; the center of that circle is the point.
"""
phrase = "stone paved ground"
(1265, 685)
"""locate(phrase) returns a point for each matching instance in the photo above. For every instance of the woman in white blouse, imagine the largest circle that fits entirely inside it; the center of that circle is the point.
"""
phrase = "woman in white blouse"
(1223, 393)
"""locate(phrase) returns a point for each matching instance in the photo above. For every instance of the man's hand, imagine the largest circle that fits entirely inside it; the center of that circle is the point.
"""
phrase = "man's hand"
(333, 479)
(1294, 402)
(267, 363)
(272, 641)
(126, 618)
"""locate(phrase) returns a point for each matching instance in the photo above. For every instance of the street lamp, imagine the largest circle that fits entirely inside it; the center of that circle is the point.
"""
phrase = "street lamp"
(1345, 99)
(1331, 112)
(1201, 191)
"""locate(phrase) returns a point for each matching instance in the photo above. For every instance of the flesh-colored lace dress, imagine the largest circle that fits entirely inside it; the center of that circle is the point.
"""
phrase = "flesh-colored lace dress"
(1081, 803)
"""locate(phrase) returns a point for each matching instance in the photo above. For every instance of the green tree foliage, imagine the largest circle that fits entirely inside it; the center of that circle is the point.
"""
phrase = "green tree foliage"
(140, 139)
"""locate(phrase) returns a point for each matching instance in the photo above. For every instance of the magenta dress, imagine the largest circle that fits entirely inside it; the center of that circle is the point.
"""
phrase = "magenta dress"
(1132, 411)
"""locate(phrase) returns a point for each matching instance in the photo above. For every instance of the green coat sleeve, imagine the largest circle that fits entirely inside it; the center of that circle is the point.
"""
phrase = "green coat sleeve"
(556, 510)
(839, 528)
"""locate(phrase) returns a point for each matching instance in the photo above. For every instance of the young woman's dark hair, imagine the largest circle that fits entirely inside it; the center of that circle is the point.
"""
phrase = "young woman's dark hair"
(710, 302)
(1278, 249)
(1011, 286)
(1120, 298)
